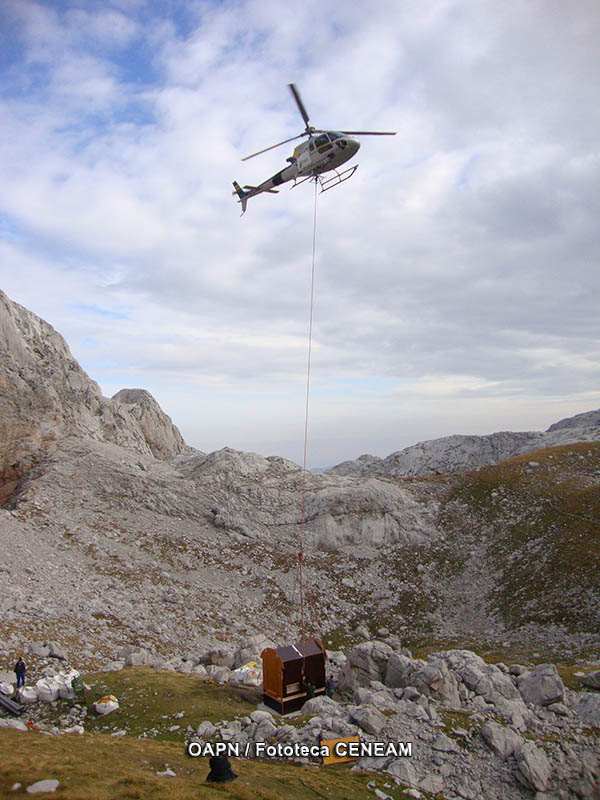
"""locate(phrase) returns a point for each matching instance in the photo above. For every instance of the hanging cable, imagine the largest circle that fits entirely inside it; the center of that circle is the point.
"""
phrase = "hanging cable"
(310, 326)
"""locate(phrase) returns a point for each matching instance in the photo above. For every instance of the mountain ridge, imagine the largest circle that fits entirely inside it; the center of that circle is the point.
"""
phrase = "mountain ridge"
(458, 452)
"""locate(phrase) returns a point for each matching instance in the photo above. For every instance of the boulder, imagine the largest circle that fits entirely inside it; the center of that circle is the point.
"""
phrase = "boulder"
(113, 666)
(258, 716)
(366, 662)
(16, 724)
(515, 712)
(517, 669)
(399, 670)
(542, 686)
(533, 767)
(264, 731)
(383, 700)
(56, 651)
(403, 771)
(501, 685)
(220, 657)
(206, 730)
(502, 741)
(123, 652)
(588, 709)
(559, 708)
(592, 680)
(472, 676)
(444, 744)
(219, 675)
(435, 680)
(139, 658)
(40, 650)
(368, 718)
(322, 705)
(250, 650)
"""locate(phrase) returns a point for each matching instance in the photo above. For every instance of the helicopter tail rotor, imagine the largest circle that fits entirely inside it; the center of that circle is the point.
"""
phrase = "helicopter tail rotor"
(237, 189)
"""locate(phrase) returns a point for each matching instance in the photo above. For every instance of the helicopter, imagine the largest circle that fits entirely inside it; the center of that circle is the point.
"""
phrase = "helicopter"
(323, 151)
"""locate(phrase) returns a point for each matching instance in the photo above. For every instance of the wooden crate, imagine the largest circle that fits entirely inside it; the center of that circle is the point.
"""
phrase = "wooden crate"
(287, 670)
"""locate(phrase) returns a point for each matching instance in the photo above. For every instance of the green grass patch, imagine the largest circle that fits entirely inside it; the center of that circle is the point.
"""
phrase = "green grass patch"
(149, 699)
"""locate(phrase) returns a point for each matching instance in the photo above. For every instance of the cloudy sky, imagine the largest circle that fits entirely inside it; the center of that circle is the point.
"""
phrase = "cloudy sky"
(457, 285)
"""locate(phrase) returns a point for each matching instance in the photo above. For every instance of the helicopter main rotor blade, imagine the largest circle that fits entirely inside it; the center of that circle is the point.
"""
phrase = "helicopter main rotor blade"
(370, 133)
(299, 102)
(273, 146)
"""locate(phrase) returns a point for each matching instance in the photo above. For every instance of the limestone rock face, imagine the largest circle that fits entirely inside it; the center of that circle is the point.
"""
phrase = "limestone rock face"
(449, 454)
(46, 395)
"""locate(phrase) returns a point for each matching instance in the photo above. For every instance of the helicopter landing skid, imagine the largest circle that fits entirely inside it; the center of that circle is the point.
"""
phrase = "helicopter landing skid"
(335, 180)
(329, 183)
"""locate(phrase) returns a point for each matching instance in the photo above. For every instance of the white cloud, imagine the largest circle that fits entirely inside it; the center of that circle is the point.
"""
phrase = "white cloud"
(459, 262)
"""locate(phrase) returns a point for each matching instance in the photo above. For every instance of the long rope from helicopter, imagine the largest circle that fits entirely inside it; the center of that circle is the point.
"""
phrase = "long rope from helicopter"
(310, 328)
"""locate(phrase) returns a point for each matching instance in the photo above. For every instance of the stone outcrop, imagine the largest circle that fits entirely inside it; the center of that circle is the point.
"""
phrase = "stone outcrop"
(533, 767)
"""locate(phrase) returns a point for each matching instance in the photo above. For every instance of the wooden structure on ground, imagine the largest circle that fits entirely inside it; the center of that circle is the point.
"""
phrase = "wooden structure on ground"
(292, 674)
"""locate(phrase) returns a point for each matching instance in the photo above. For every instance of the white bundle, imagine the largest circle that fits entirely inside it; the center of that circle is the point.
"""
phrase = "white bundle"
(48, 690)
(27, 694)
(64, 680)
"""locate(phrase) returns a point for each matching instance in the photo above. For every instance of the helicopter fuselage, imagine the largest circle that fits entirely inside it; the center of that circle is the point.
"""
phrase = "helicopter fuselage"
(327, 151)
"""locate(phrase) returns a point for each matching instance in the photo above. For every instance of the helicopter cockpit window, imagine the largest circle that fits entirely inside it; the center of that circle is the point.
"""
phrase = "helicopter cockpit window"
(321, 140)
(334, 136)
(311, 146)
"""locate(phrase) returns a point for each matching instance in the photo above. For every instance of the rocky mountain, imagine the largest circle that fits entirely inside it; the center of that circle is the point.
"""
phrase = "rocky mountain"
(112, 525)
(460, 453)
(120, 545)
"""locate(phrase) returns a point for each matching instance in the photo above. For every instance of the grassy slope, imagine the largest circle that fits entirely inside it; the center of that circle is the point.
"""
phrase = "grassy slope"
(102, 767)
(542, 524)
(99, 767)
